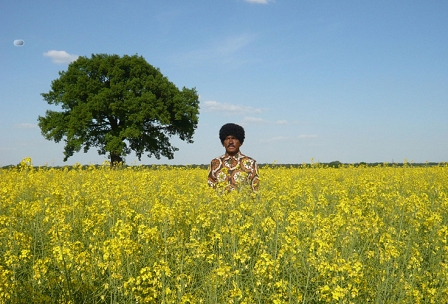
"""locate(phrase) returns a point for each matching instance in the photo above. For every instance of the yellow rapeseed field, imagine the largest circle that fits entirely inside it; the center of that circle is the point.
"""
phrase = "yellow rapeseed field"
(161, 235)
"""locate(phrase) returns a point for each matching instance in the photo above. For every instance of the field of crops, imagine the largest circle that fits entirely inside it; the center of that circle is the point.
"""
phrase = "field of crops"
(161, 235)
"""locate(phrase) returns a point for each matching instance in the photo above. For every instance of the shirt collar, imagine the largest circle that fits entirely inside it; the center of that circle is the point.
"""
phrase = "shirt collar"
(236, 156)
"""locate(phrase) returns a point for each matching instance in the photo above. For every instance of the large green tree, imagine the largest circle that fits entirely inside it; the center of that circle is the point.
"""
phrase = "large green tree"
(118, 105)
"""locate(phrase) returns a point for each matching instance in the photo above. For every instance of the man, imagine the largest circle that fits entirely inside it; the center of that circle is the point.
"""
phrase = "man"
(233, 169)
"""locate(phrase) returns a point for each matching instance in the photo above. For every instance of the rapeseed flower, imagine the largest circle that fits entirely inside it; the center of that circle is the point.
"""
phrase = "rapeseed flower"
(161, 235)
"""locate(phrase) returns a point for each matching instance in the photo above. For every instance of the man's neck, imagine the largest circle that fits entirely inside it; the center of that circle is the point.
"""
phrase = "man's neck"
(233, 154)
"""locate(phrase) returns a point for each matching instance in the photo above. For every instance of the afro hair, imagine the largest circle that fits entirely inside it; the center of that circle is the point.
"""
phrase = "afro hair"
(231, 129)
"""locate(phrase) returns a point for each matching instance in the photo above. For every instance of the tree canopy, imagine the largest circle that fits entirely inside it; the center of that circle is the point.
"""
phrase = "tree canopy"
(118, 105)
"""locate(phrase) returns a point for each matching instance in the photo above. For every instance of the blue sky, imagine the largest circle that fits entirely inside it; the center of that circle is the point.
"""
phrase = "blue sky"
(331, 80)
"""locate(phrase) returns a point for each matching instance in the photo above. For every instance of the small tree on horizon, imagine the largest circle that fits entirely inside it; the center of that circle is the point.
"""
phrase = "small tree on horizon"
(118, 105)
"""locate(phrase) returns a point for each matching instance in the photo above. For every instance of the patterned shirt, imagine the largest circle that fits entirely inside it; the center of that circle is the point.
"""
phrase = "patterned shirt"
(233, 171)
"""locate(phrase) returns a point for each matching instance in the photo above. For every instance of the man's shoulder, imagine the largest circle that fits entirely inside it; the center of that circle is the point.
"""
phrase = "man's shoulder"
(245, 157)
(248, 163)
(217, 161)
(219, 158)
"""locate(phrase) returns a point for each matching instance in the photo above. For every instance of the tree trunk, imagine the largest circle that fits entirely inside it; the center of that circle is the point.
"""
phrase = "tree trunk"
(115, 159)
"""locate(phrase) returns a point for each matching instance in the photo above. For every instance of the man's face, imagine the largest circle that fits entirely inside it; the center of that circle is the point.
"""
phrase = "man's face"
(232, 145)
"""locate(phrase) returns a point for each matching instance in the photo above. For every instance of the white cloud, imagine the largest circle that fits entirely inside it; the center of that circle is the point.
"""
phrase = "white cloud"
(275, 139)
(306, 136)
(232, 44)
(287, 138)
(25, 126)
(250, 120)
(281, 122)
(259, 1)
(61, 57)
(222, 50)
(214, 106)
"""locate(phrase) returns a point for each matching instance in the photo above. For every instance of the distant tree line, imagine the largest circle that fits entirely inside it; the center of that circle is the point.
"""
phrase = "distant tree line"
(333, 164)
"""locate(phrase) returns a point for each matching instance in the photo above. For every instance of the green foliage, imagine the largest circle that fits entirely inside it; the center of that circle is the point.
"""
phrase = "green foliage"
(118, 105)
